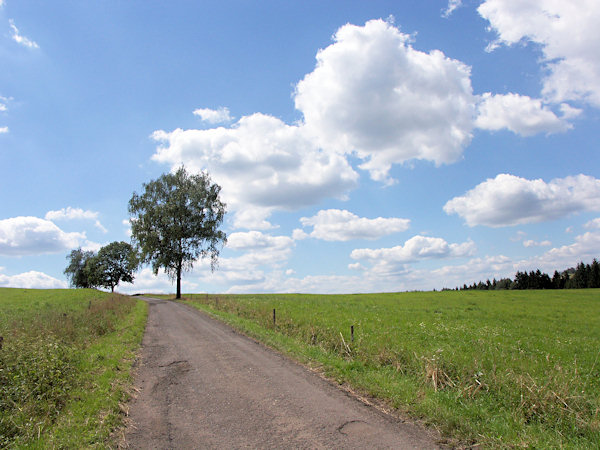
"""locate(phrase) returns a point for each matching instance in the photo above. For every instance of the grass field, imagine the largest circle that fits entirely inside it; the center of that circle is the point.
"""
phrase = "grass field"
(496, 368)
(65, 365)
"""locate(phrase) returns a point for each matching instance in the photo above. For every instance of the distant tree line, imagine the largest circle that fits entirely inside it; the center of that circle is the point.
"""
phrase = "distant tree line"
(581, 277)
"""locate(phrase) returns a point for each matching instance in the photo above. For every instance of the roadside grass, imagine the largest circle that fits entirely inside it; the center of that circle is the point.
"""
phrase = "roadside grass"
(65, 365)
(494, 368)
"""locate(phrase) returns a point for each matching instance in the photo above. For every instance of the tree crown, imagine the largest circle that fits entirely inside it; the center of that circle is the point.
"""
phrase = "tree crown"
(176, 220)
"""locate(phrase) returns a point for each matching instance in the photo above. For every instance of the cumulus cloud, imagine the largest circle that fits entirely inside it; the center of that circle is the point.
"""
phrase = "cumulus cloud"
(19, 38)
(568, 36)
(20, 236)
(520, 114)
(3, 130)
(510, 200)
(261, 242)
(213, 116)
(373, 94)
(69, 213)
(260, 253)
(261, 163)
(3, 104)
(342, 225)
(32, 280)
(415, 249)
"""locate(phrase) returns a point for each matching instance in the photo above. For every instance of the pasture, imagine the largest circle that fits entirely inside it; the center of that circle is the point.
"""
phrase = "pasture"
(65, 364)
(496, 368)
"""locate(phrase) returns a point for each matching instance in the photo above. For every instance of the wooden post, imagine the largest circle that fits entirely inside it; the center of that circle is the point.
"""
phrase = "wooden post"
(352, 333)
(1, 341)
(273, 316)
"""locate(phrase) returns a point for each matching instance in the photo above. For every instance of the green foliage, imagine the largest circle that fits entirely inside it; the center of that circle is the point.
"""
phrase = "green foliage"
(583, 277)
(56, 344)
(114, 263)
(76, 271)
(176, 221)
(499, 368)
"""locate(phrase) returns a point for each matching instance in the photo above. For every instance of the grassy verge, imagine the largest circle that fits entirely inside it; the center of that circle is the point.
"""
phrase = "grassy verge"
(501, 369)
(65, 365)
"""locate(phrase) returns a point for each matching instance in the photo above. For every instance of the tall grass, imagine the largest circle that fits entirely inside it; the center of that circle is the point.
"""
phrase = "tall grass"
(501, 368)
(56, 345)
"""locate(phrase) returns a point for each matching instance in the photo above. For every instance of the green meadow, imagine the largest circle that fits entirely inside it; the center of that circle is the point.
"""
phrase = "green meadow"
(65, 366)
(494, 368)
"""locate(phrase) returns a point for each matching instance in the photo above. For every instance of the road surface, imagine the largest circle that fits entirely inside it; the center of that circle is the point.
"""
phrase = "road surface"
(203, 385)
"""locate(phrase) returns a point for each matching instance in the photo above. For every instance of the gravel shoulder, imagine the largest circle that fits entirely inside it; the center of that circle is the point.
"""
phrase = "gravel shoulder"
(203, 385)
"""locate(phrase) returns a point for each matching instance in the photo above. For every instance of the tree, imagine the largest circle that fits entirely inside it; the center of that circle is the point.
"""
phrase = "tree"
(176, 220)
(594, 281)
(114, 263)
(78, 270)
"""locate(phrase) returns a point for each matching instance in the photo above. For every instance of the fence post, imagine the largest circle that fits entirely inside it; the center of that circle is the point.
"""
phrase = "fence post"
(352, 333)
(1, 341)
(273, 316)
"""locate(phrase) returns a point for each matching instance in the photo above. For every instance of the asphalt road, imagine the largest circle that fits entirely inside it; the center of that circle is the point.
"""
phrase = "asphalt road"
(203, 385)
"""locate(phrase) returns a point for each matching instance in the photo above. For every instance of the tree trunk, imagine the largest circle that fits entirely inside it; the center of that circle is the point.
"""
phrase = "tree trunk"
(178, 296)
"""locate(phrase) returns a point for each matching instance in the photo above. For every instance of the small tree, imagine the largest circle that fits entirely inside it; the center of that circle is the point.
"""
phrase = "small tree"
(77, 272)
(114, 263)
(176, 220)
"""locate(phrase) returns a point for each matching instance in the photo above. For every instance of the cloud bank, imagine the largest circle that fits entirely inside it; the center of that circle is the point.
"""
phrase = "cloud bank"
(342, 225)
(21, 236)
(568, 36)
(510, 200)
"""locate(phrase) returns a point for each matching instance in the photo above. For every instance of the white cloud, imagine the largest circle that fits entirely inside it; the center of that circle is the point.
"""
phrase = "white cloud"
(279, 282)
(452, 6)
(415, 249)
(32, 280)
(3, 130)
(585, 248)
(593, 224)
(569, 38)
(473, 271)
(532, 243)
(257, 241)
(262, 164)
(146, 282)
(69, 213)
(342, 225)
(20, 236)
(20, 39)
(3, 104)
(510, 200)
(520, 114)
(213, 116)
(373, 94)
(127, 225)
(90, 246)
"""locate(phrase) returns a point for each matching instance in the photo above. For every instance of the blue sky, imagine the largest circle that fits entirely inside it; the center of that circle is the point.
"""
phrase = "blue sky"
(361, 146)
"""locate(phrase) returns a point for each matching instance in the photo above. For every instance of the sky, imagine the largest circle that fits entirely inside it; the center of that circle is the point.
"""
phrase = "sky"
(361, 146)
